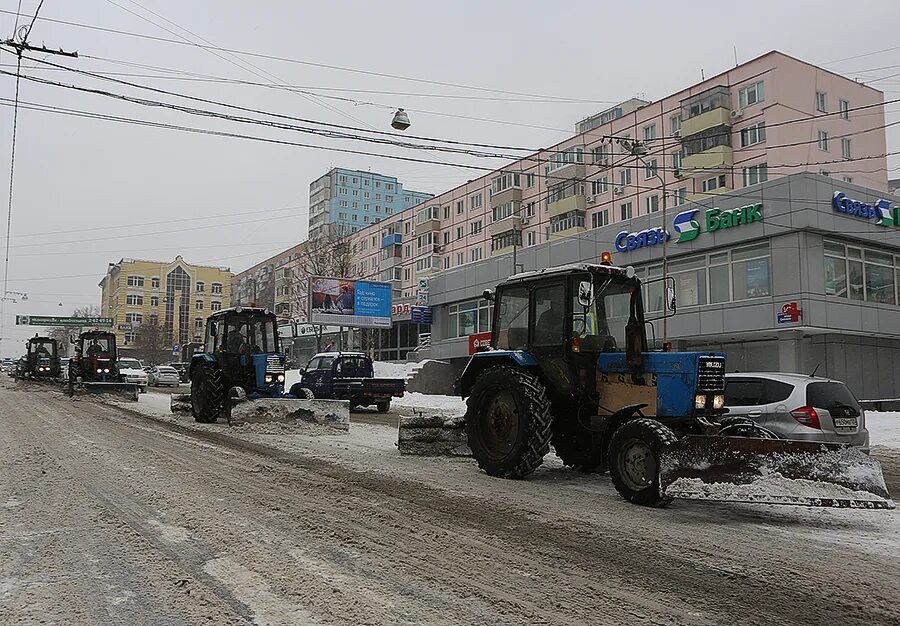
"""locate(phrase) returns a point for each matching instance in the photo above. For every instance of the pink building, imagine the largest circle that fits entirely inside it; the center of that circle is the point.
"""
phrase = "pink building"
(767, 118)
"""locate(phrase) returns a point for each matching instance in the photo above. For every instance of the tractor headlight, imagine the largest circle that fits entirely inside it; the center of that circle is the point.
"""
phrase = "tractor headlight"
(718, 401)
(106, 371)
(99, 370)
(268, 378)
(699, 401)
(281, 378)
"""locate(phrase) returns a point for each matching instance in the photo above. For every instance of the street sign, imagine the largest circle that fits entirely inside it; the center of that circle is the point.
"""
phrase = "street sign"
(421, 314)
(51, 320)
(176, 349)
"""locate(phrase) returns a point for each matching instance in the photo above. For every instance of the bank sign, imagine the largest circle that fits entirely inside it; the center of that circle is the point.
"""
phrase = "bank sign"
(881, 212)
(688, 227)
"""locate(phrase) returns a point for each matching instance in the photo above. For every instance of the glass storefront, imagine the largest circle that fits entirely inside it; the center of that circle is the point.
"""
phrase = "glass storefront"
(861, 273)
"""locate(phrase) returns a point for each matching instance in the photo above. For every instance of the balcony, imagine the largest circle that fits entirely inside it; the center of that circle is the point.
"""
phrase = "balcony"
(428, 220)
(428, 265)
(391, 239)
(566, 205)
(711, 160)
(565, 172)
(511, 194)
(720, 116)
(512, 222)
(574, 230)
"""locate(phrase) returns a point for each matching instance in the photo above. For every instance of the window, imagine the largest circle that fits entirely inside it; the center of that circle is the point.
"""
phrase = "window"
(427, 263)
(624, 177)
(823, 140)
(503, 211)
(343, 180)
(407, 199)
(690, 281)
(750, 271)
(460, 207)
(447, 212)
(753, 134)
(427, 214)
(366, 182)
(215, 305)
(343, 191)
(650, 169)
(676, 161)
(129, 338)
(711, 184)
(835, 269)
(467, 318)
(343, 205)
(848, 179)
(389, 186)
(599, 186)
(532, 237)
(460, 258)
(134, 300)
(705, 140)
(366, 193)
(355, 192)
(549, 311)
(217, 288)
(154, 283)
(844, 108)
(389, 198)
(572, 219)
(199, 305)
(566, 157)
(446, 263)
(154, 300)
(751, 94)
(821, 102)
(198, 323)
(601, 154)
(133, 318)
(680, 196)
(475, 201)
(423, 241)
(845, 148)
(563, 190)
(476, 227)
(377, 184)
(475, 254)
(652, 203)
(650, 132)
(625, 211)
(513, 319)
(756, 174)
(600, 218)
(675, 124)
(135, 281)
(529, 180)
(446, 237)
(879, 277)
(507, 180)
(529, 209)
(406, 273)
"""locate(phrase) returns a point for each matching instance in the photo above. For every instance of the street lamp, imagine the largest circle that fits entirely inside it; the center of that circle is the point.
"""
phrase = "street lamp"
(401, 120)
(639, 150)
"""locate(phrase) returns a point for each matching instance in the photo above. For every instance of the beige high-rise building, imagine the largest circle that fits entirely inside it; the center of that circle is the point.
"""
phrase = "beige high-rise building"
(175, 294)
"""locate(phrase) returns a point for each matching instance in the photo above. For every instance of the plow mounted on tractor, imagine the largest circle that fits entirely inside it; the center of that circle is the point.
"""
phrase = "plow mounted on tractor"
(240, 373)
(94, 368)
(569, 367)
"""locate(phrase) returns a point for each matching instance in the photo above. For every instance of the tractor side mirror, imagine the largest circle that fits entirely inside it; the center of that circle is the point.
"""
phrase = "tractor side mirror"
(586, 293)
(72, 339)
(302, 371)
(488, 295)
(213, 330)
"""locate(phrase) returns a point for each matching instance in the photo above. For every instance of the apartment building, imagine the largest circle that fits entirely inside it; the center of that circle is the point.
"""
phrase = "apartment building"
(349, 200)
(174, 294)
(768, 118)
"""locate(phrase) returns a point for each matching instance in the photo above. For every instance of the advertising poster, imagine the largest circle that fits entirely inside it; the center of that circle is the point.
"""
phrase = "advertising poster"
(352, 303)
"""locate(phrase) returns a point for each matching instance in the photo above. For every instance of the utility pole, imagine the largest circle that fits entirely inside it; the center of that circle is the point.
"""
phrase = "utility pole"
(19, 47)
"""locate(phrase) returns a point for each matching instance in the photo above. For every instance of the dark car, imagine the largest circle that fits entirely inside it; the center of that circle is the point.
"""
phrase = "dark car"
(182, 369)
(347, 376)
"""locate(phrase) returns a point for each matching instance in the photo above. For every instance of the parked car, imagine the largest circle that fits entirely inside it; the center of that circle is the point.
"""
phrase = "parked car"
(798, 406)
(182, 369)
(130, 371)
(164, 375)
(347, 376)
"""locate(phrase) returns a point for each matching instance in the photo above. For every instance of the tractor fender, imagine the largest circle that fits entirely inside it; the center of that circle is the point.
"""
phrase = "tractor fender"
(197, 359)
(482, 361)
(612, 423)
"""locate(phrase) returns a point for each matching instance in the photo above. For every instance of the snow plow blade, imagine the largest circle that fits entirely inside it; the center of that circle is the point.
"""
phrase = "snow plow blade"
(126, 391)
(180, 403)
(773, 471)
(433, 435)
(332, 413)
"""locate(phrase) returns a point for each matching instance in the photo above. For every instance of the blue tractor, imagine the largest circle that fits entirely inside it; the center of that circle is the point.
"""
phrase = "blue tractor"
(569, 365)
(241, 360)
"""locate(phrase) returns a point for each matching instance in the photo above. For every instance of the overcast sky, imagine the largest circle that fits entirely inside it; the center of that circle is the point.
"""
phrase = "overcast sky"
(74, 174)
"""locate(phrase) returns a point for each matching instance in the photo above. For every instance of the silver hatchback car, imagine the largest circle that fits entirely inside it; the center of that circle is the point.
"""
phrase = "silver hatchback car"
(798, 406)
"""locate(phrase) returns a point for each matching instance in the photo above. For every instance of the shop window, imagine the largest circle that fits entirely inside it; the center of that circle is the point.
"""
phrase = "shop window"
(750, 272)
(835, 270)
(879, 268)
(467, 318)
(719, 278)
(690, 281)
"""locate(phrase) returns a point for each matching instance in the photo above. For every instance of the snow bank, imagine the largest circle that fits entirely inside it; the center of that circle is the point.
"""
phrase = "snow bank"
(415, 400)
(772, 489)
(884, 428)
(383, 369)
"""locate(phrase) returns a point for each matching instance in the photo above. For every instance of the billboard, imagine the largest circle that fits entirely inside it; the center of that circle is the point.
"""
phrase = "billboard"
(344, 302)
(53, 320)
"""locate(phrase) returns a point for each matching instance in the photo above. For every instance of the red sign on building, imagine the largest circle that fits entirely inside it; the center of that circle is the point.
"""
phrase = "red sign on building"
(790, 313)
(479, 340)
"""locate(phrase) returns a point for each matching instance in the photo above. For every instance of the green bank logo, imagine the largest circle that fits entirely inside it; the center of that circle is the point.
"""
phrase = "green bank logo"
(688, 228)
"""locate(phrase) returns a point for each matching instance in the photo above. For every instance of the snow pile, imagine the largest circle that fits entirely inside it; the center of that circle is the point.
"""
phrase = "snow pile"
(772, 489)
(884, 428)
(387, 369)
(414, 400)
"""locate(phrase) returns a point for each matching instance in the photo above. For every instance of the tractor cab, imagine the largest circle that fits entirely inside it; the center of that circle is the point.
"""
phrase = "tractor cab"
(95, 356)
(42, 357)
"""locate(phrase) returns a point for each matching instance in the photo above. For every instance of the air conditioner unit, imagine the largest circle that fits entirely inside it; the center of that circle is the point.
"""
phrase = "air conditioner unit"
(736, 114)
(618, 190)
(676, 132)
(525, 221)
(678, 173)
(589, 199)
(439, 248)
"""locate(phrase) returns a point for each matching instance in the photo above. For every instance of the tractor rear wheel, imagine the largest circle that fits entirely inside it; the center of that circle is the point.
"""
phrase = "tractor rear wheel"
(634, 459)
(301, 392)
(579, 448)
(207, 394)
(508, 422)
(383, 407)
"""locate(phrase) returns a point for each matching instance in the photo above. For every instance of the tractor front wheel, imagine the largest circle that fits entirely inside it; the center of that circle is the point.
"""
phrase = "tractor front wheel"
(207, 394)
(634, 459)
(301, 392)
(383, 407)
(508, 422)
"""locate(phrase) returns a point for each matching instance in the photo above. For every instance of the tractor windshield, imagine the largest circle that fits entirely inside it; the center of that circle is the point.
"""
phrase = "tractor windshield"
(251, 335)
(42, 348)
(601, 326)
(96, 346)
